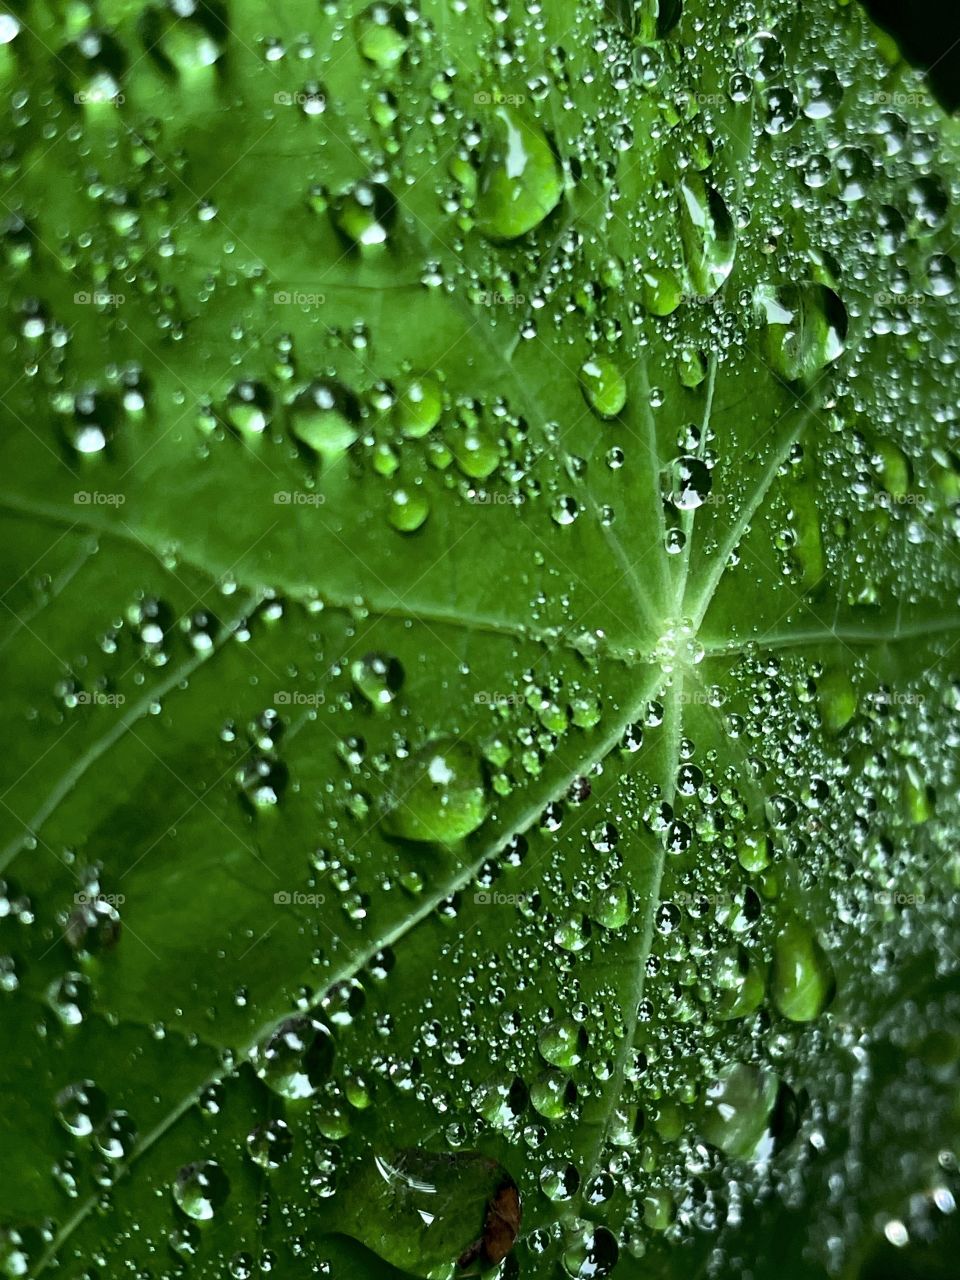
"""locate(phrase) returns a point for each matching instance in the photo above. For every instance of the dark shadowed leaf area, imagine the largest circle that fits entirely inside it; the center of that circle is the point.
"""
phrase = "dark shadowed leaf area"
(479, 511)
(928, 32)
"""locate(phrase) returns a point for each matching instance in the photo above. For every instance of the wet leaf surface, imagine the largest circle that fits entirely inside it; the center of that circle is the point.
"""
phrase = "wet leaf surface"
(479, 515)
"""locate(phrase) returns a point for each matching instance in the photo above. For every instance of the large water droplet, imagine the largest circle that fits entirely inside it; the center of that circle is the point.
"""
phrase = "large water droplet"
(419, 405)
(270, 1144)
(438, 796)
(604, 386)
(324, 416)
(81, 1107)
(590, 1251)
(748, 1112)
(382, 35)
(520, 179)
(806, 327)
(408, 509)
(435, 1216)
(802, 983)
(707, 234)
(688, 483)
(378, 677)
(365, 214)
(296, 1059)
(200, 1189)
(116, 1137)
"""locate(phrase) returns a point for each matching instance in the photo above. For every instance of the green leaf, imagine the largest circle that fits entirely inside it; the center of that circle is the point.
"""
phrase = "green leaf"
(479, 519)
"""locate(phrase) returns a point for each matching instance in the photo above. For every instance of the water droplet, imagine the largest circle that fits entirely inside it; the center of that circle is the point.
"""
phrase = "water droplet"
(761, 54)
(739, 981)
(604, 386)
(612, 907)
(823, 93)
(691, 367)
(81, 1107)
(553, 1095)
(707, 234)
(434, 1216)
(590, 1252)
(688, 483)
(324, 417)
(438, 796)
(838, 699)
(781, 110)
(248, 408)
(262, 781)
(383, 35)
(200, 1189)
(365, 214)
(418, 406)
(563, 1043)
(296, 1058)
(806, 327)
(270, 1144)
(559, 1181)
(378, 677)
(520, 180)
(662, 293)
(565, 510)
(409, 509)
(737, 1111)
(70, 997)
(116, 1137)
(802, 983)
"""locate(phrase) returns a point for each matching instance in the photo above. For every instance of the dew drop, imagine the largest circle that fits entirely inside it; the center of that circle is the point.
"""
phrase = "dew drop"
(324, 417)
(434, 1216)
(378, 677)
(707, 234)
(295, 1060)
(520, 180)
(201, 1189)
(438, 796)
(806, 327)
(604, 386)
(802, 982)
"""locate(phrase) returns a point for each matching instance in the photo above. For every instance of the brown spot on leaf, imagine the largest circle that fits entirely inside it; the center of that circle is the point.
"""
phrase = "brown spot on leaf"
(502, 1223)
